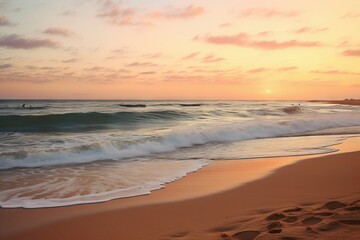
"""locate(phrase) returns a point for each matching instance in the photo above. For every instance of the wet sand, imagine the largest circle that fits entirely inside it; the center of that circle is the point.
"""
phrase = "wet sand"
(246, 199)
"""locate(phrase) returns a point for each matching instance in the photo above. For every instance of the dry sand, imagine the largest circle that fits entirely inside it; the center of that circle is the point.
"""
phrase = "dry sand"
(314, 198)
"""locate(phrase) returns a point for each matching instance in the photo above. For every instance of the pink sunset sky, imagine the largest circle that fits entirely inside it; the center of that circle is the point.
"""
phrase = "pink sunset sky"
(188, 49)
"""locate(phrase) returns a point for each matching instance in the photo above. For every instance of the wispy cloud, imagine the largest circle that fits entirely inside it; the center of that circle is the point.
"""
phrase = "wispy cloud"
(351, 15)
(148, 73)
(114, 13)
(142, 64)
(347, 44)
(153, 55)
(352, 53)
(190, 56)
(59, 32)
(280, 69)
(335, 72)
(309, 30)
(212, 59)
(244, 40)
(68, 13)
(19, 42)
(71, 60)
(4, 21)
(258, 70)
(224, 25)
(286, 69)
(178, 13)
(97, 68)
(263, 34)
(4, 66)
(268, 13)
(118, 53)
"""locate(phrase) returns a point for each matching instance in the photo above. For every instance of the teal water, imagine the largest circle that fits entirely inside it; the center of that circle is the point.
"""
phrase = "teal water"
(73, 152)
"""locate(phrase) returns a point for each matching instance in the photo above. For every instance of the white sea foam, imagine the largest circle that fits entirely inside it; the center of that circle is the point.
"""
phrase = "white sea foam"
(46, 169)
(63, 186)
(103, 149)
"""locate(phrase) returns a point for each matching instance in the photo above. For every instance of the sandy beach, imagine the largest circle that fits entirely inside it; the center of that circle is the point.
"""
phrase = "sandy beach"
(314, 198)
(179, 120)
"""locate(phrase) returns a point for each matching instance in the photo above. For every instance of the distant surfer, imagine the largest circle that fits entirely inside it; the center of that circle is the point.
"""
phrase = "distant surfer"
(26, 106)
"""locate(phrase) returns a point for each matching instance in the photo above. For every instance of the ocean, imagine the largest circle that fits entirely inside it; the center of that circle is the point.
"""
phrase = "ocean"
(60, 153)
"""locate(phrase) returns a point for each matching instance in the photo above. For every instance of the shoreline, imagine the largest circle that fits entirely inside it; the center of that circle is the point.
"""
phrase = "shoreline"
(230, 178)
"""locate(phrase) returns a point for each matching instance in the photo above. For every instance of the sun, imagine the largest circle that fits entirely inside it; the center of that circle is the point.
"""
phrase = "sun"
(267, 90)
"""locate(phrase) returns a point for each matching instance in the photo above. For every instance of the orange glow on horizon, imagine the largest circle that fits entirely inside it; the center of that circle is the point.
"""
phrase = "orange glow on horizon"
(180, 50)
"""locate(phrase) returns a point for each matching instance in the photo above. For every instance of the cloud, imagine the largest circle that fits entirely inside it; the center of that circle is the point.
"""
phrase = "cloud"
(178, 13)
(351, 15)
(347, 44)
(258, 70)
(96, 68)
(115, 14)
(190, 56)
(19, 42)
(309, 30)
(335, 72)
(211, 59)
(68, 13)
(286, 69)
(142, 64)
(268, 13)
(352, 53)
(72, 60)
(224, 25)
(153, 55)
(3, 66)
(263, 34)
(244, 40)
(118, 53)
(281, 69)
(59, 32)
(148, 73)
(5, 22)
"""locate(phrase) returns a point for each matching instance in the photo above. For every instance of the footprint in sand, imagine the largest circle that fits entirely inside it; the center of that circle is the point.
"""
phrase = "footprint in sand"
(325, 214)
(275, 231)
(350, 221)
(246, 235)
(290, 210)
(275, 216)
(329, 226)
(311, 220)
(309, 230)
(275, 227)
(334, 205)
(290, 219)
(275, 224)
(353, 208)
(179, 234)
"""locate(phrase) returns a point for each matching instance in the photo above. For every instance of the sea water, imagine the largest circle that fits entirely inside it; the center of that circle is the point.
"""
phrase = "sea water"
(58, 153)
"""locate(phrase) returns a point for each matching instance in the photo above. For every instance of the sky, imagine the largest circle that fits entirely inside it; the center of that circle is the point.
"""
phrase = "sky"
(180, 49)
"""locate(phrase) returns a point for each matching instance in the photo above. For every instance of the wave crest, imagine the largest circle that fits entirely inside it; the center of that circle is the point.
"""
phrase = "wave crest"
(83, 121)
